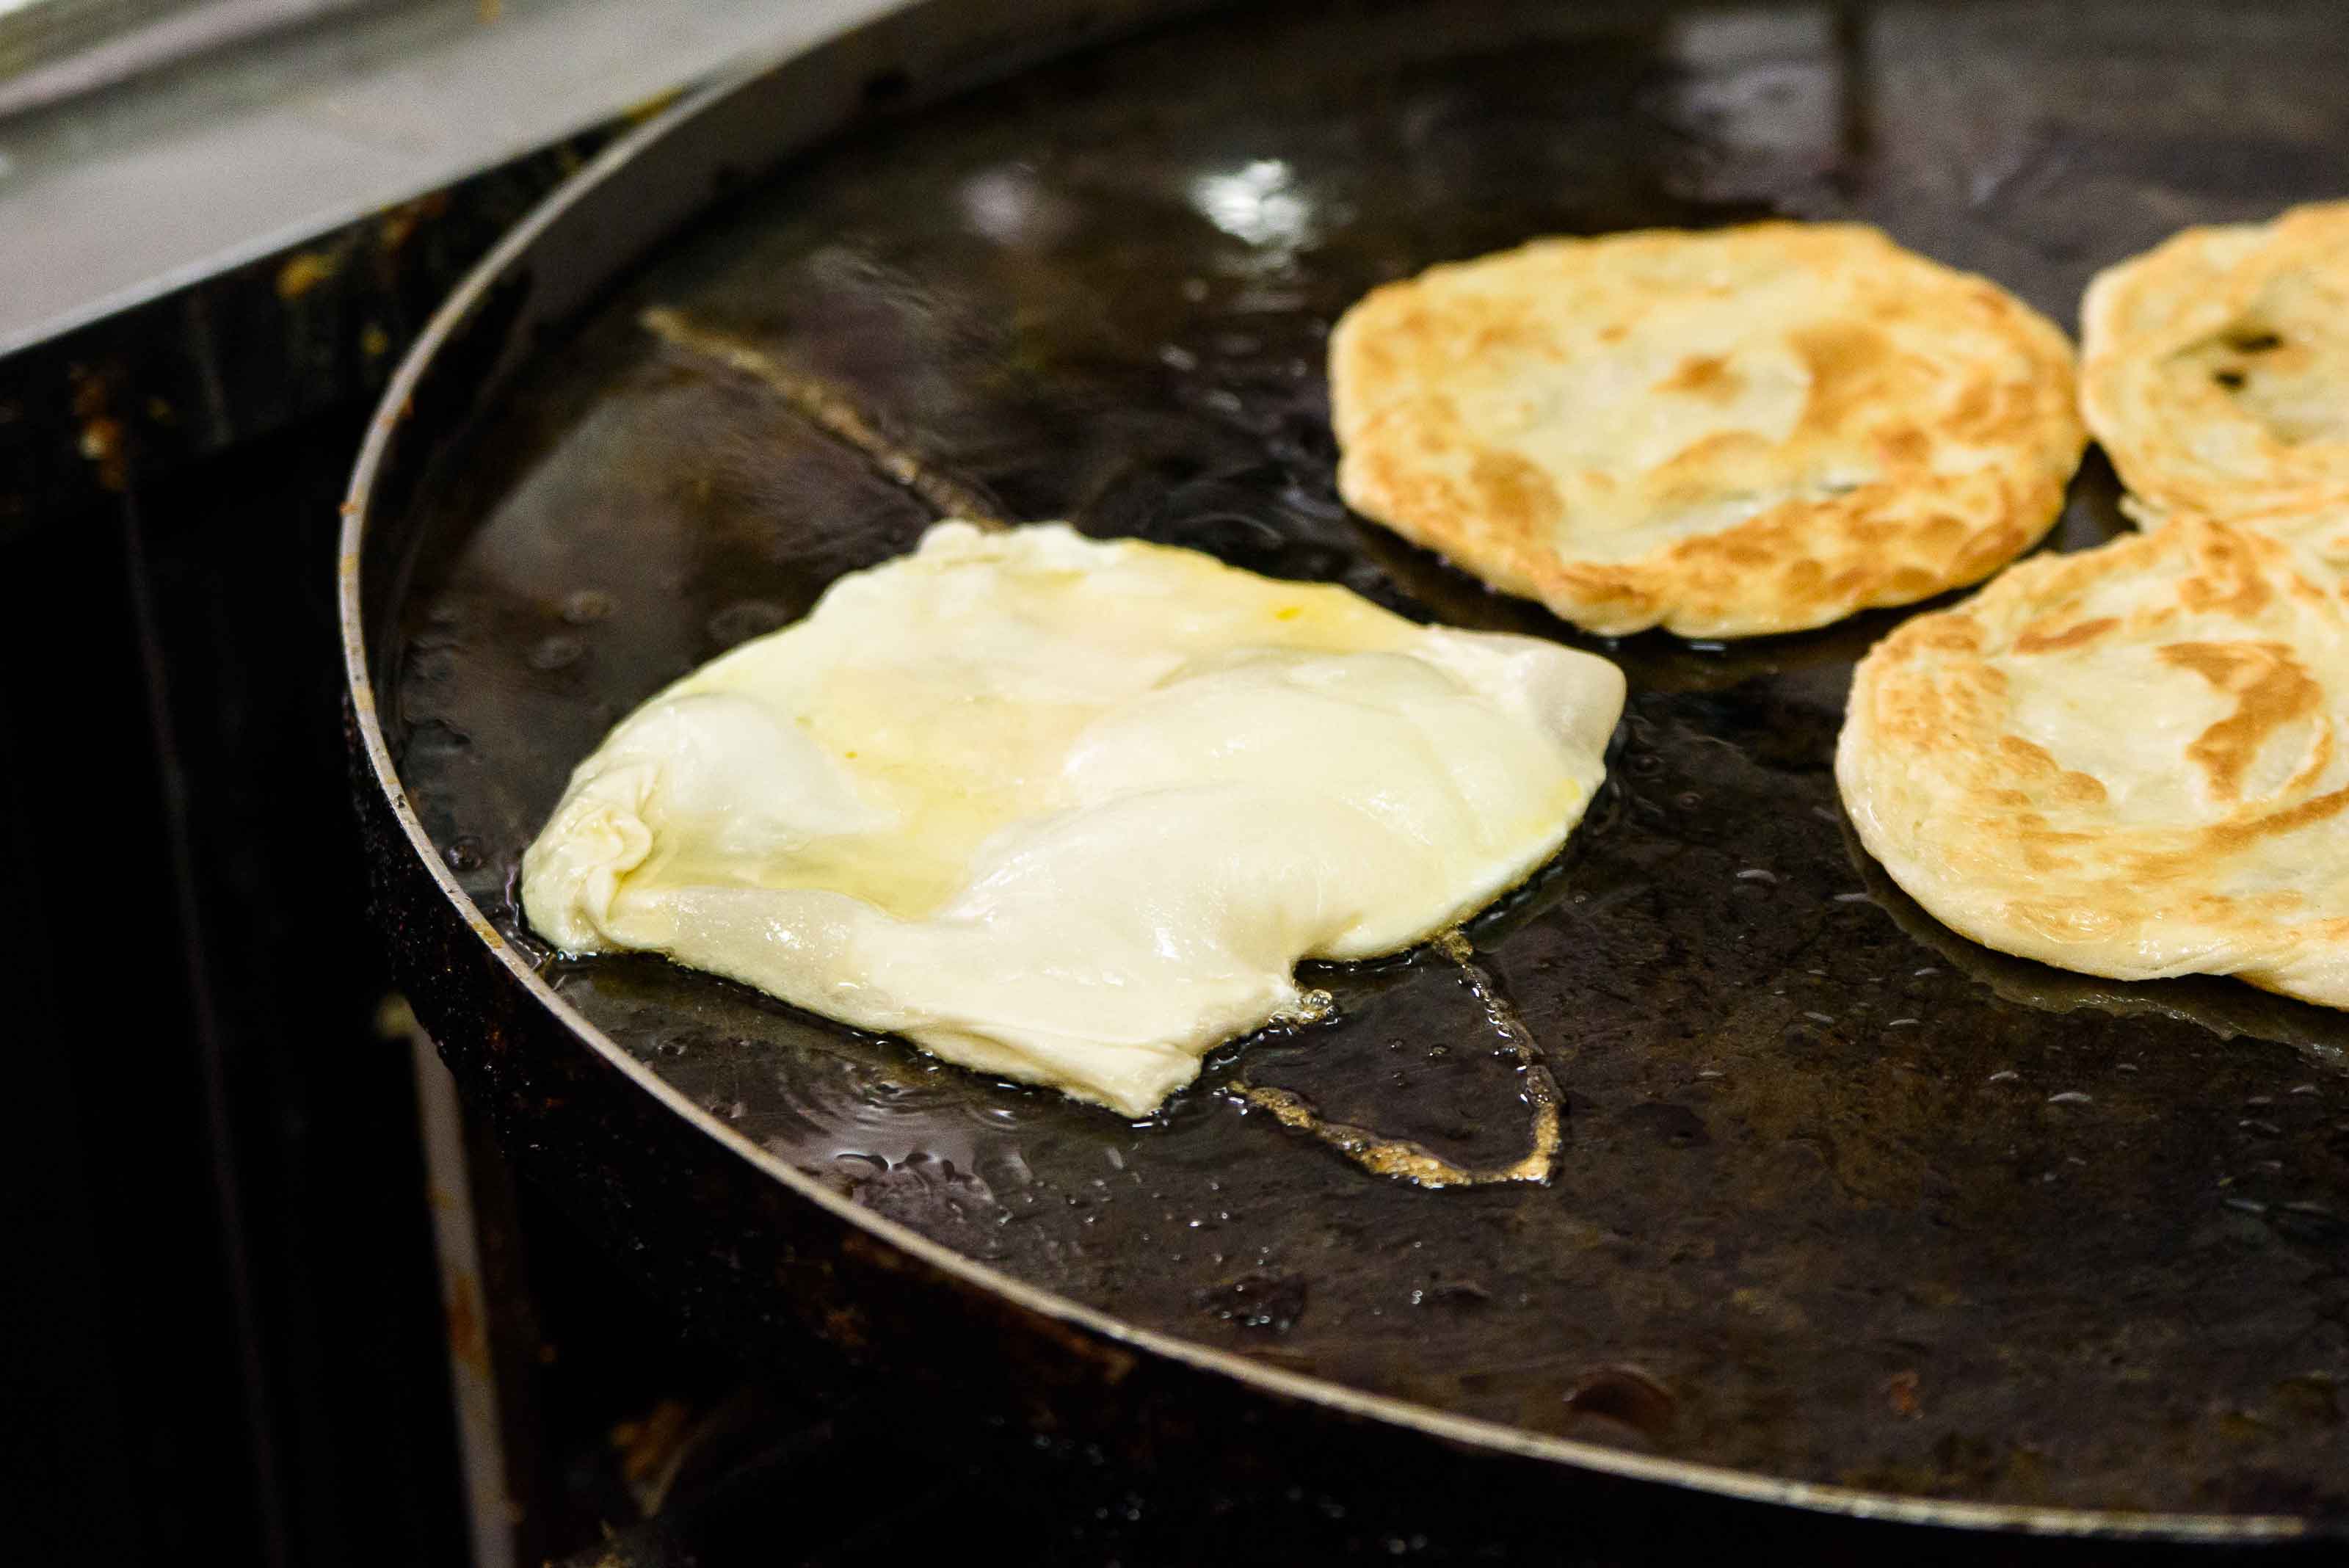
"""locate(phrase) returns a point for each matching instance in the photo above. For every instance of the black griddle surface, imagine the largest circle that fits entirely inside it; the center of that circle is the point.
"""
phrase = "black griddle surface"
(1844, 1196)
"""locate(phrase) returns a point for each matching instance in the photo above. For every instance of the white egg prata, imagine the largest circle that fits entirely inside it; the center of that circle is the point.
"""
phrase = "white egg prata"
(1070, 810)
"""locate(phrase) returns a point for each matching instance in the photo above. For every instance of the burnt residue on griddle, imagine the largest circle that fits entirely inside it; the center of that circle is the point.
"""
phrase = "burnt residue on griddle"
(1857, 1202)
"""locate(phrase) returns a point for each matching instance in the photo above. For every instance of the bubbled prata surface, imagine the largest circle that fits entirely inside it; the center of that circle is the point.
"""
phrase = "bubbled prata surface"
(1754, 430)
(1861, 1201)
(2216, 371)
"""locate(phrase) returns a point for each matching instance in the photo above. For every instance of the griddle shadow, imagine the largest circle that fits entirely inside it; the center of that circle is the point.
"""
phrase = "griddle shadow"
(2226, 1008)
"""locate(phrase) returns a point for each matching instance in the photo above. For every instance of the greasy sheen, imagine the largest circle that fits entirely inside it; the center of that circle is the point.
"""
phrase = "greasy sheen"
(1070, 810)
(2130, 762)
(2215, 373)
(1726, 433)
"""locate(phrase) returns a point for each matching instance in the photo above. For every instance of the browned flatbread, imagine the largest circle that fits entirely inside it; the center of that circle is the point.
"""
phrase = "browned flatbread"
(1726, 433)
(2130, 762)
(2215, 373)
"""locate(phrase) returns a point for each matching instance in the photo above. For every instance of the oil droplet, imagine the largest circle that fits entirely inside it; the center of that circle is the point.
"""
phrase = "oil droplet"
(556, 652)
(586, 607)
(1625, 1392)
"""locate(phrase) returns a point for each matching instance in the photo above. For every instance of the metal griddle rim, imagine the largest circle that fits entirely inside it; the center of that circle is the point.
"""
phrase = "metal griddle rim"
(1467, 1431)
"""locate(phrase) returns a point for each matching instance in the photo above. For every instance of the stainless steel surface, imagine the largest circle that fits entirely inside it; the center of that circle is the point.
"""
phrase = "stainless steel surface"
(490, 1493)
(52, 50)
(113, 198)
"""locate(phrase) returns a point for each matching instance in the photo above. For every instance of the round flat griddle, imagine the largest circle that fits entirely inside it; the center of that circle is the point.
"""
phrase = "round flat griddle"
(1851, 1214)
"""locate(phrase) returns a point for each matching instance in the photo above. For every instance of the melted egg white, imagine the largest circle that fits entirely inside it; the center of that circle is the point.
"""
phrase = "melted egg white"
(1070, 810)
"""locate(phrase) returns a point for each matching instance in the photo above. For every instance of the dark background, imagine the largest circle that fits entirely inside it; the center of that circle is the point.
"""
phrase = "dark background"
(225, 1319)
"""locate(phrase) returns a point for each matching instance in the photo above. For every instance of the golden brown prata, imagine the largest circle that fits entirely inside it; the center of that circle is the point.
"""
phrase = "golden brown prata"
(2215, 373)
(1726, 433)
(2130, 762)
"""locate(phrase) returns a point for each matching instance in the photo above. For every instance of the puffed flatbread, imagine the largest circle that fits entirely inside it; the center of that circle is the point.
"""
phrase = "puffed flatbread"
(1726, 433)
(2130, 762)
(2215, 372)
